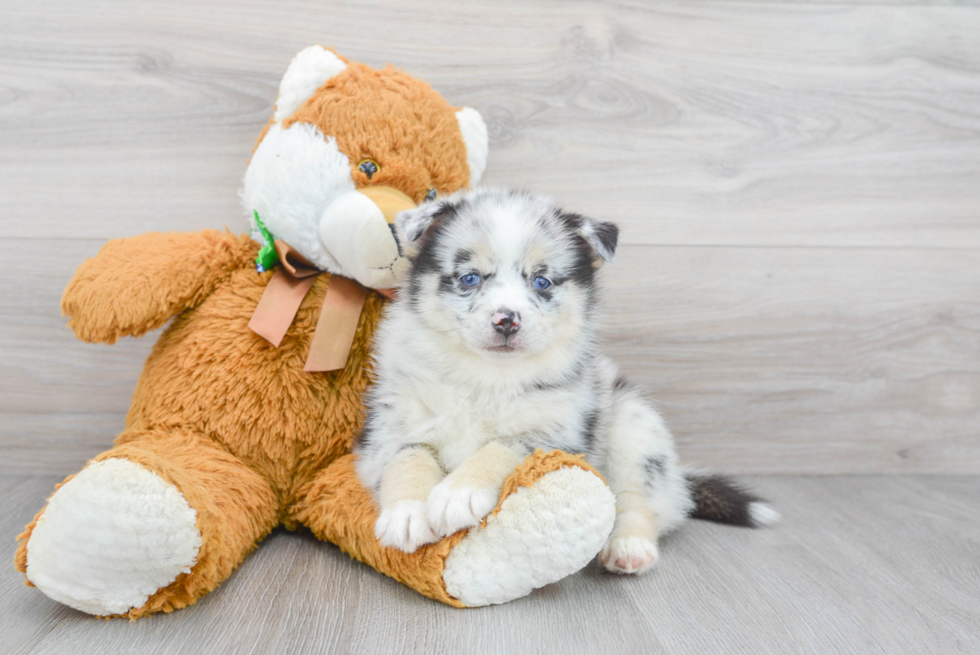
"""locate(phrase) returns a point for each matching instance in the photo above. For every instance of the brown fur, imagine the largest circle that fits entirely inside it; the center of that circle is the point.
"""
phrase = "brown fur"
(417, 148)
(233, 422)
(249, 438)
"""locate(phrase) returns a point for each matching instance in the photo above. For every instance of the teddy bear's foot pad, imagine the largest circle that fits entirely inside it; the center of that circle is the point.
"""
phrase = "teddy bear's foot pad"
(541, 534)
(110, 537)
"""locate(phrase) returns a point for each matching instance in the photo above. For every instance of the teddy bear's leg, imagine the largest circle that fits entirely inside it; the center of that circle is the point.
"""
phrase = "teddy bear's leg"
(150, 525)
(553, 516)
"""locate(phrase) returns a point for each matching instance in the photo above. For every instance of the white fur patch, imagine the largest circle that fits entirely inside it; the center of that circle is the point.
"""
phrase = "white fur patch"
(293, 177)
(541, 534)
(404, 526)
(111, 537)
(477, 142)
(307, 72)
(451, 510)
(763, 514)
(628, 555)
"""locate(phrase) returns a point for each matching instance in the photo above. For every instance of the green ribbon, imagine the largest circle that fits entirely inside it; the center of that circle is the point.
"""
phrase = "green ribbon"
(268, 257)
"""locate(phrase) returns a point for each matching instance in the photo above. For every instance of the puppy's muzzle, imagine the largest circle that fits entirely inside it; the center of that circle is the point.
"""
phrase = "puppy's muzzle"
(506, 322)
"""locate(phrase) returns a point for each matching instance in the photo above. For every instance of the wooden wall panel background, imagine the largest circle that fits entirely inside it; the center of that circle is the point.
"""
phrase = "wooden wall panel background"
(798, 185)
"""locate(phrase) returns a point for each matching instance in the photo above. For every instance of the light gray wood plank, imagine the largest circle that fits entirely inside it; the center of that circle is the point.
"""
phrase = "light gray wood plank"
(880, 3)
(804, 360)
(42, 365)
(691, 123)
(861, 564)
(55, 442)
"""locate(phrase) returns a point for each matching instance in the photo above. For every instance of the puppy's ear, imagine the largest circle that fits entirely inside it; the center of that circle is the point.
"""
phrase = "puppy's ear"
(411, 225)
(601, 236)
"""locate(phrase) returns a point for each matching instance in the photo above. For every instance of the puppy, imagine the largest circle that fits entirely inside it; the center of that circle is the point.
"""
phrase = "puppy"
(490, 353)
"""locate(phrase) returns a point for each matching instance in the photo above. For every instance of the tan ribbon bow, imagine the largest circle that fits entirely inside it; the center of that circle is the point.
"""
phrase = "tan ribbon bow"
(342, 304)
(341, 310)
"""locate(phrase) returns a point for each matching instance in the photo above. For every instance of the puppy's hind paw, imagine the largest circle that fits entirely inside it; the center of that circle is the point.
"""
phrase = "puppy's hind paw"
(404, 526)
(453, 509)
(628, 555)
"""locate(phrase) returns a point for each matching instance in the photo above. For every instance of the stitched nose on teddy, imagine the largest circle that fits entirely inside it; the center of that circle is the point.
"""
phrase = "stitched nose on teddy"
(506, 322)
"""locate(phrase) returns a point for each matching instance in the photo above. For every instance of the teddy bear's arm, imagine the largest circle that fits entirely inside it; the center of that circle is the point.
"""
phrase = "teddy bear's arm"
(135, 285)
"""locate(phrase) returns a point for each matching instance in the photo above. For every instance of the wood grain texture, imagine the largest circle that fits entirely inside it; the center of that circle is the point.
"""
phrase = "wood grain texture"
(805, 360)
(763, 360)
(799, 189)
(861, 564)
(734, 123)
(799, 186)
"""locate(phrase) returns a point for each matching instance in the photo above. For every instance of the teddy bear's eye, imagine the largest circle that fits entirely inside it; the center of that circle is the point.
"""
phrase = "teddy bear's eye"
(369, 167)
(431, 195)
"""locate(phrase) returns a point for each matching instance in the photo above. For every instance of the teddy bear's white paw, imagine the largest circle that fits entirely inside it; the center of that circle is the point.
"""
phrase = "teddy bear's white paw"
(541, 534)
(453, 509)
(631, 555)
(111, 537)
(404, 526)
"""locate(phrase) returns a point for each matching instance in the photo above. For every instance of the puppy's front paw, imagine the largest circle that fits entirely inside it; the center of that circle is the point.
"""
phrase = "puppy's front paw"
(452, 509)
(628, 555)
(404, 526)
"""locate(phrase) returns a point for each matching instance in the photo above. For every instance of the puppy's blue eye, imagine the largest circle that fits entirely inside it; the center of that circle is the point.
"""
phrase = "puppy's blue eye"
(470, 279)
(541, 283)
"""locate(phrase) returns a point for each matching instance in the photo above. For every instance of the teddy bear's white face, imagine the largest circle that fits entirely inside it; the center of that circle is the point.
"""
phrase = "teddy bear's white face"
(299, 183)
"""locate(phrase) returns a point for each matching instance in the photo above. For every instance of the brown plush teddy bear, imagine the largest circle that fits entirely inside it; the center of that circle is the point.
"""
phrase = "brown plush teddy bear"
(245, 412)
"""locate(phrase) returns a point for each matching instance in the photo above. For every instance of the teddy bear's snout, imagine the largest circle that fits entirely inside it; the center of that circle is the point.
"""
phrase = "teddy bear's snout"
(355, 230)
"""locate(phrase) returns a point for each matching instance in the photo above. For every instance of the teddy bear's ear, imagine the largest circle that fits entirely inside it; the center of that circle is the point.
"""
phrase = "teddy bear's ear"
(474, 132)
(307, 72)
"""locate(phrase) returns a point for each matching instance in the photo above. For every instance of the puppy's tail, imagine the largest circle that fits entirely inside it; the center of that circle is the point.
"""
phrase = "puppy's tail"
(722, 500)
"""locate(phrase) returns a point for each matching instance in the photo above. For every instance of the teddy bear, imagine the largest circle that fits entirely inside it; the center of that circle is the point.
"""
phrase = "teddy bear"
(245, 412)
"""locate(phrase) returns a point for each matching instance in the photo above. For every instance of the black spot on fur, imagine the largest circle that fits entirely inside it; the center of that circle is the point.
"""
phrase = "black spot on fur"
(621, 383)
(721, 499)
(462, 256)
(365, 440)
(524, 447)
(440, 213)
(550, 386)
(425, 264)
(591, 421)
(426, 261)
(583, 271)
(653, 468)
(607, 234)
(428, 241)
(447, 283)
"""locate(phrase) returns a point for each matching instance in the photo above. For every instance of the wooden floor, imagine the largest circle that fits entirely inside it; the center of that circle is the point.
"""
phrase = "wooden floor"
(862, 564)
(798, 183)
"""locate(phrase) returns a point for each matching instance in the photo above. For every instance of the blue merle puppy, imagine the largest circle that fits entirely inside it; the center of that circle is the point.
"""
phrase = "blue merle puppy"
(490, 353)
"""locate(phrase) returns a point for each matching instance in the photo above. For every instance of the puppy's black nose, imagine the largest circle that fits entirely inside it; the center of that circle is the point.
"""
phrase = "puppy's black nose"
(506, 322)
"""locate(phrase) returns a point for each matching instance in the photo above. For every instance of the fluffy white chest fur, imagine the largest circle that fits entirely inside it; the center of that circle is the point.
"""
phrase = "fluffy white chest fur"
(456, 404)
(489, 354)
